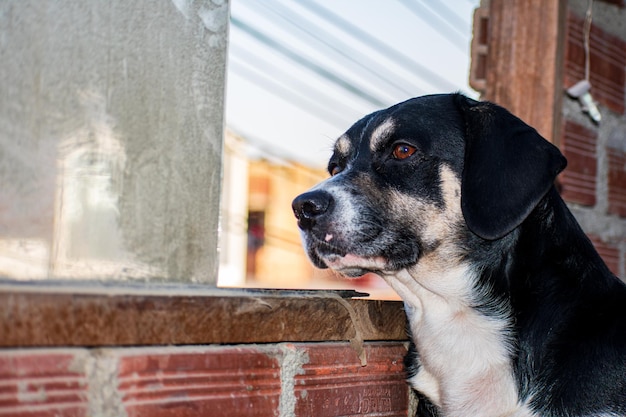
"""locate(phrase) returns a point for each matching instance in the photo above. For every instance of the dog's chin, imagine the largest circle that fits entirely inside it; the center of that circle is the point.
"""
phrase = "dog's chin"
(354, 266)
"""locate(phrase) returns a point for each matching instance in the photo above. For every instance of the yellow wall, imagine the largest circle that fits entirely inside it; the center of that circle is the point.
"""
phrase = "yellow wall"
(281, 262)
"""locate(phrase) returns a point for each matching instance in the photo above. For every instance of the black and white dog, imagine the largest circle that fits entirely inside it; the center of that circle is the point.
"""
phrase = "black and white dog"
(511, 310)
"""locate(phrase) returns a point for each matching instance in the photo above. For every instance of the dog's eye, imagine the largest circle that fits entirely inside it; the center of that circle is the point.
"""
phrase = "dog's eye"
(403, 151)
(334, 170)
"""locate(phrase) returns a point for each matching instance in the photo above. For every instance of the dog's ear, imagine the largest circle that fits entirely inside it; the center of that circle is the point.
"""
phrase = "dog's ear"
(508, 168)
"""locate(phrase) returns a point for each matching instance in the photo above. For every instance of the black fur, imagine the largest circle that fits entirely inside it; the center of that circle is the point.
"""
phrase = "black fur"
(503, 154)
(538, 270)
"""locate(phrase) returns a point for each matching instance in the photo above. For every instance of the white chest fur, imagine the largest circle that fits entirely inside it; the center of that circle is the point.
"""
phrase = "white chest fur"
(465, 365)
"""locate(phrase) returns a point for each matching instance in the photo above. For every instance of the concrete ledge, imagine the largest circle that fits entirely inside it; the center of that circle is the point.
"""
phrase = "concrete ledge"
(38, 316)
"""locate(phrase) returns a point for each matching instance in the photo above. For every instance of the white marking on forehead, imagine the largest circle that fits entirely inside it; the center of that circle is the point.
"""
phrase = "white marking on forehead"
(343, 145)
(381, 133)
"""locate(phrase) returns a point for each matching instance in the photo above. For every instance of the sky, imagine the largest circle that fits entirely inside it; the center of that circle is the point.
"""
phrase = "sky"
(300, 72)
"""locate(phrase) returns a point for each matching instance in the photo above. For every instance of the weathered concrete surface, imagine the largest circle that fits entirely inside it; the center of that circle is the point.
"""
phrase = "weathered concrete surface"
(44, 317)
(111, 120)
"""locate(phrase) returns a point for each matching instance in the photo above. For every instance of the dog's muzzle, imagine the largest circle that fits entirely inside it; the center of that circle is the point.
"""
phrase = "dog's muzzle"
(330, 242)
(313, 210)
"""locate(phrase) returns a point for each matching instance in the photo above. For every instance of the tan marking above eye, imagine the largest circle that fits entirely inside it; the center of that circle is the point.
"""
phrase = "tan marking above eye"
(403, 151)
(343, 145)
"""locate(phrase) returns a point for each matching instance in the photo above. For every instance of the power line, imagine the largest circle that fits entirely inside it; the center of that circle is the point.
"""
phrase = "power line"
(453, 19)
(275, 88)
(382, 48)
(260, 64)
(341, 48)
(299, 59)
(435, 20)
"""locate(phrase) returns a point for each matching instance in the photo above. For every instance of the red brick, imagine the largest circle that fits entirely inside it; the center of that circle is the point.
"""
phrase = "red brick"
(607, 63)
(578, 181)
(617, 182)
(608, 252)
(42, 383)
(334, 383)
(233, 381)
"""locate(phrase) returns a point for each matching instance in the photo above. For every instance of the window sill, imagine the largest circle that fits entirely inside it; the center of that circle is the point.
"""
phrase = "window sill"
(49, 314)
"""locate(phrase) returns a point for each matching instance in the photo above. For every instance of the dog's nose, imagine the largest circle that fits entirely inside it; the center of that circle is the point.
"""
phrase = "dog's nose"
(308, 207)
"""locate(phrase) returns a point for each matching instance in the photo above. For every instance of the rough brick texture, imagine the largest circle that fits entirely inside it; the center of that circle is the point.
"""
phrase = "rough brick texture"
(595, 179)
(307, 379)
(42, 384)
(233, 381)
(578, 181)
(333, 382)
(607, 63)
(617, 182)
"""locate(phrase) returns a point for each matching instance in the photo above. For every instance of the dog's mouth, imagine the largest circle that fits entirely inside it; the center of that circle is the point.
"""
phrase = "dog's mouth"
(326, 253)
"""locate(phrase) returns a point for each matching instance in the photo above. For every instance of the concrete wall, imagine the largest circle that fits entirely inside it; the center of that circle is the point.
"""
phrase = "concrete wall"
(111, 121)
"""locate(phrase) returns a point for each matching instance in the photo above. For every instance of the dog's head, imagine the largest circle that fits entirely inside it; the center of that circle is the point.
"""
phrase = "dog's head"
(412, 179)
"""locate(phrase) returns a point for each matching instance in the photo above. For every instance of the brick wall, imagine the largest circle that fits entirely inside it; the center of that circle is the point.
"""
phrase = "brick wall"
(180, 352)
(302, 379)
(594, 183)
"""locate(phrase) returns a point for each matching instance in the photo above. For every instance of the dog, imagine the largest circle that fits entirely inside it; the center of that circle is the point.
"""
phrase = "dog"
(510, 310)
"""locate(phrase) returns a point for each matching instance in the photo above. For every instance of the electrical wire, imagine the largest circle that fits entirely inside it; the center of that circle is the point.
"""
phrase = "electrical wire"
(342, 49)
(307, 63)
(313, 20)
(386, 50)
(279, 74)
(272, 86)
(586, 34)
(435, 20)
